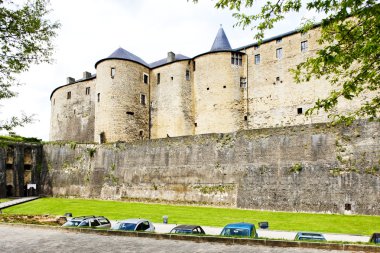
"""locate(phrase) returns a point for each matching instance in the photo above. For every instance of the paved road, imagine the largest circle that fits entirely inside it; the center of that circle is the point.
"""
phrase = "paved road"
(19, 239)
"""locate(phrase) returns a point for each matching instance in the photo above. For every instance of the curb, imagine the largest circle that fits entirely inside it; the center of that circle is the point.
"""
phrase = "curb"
(212, 239)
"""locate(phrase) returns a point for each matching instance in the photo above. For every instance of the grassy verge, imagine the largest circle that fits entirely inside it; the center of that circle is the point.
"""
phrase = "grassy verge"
(4, 200)
(206, 216)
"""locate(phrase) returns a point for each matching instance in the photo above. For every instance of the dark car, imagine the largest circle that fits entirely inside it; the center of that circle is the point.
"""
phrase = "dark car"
(88, 221)
(188, 229)
(375, 238)
(240, 230)
(309, 236)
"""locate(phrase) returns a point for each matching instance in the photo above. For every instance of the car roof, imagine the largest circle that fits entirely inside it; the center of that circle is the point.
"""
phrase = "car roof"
(240, 225)
(376, 235)
(186, 227)
(309, 234)
(134, 221)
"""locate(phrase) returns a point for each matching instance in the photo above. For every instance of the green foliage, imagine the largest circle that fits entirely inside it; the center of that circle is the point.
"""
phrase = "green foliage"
(207, 216)
(214, 189)
(296, 168)
(91, 151)
(349, 54)
(17, 138)
(25, 39)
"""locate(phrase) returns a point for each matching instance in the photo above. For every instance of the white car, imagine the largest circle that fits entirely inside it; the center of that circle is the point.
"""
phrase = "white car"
(134, 225)
(88, 221)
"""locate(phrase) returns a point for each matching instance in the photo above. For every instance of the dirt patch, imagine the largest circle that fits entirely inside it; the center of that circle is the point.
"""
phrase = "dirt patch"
(33, 219)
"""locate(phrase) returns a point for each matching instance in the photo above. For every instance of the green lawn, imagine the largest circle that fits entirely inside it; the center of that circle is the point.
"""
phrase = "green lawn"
(207, 216)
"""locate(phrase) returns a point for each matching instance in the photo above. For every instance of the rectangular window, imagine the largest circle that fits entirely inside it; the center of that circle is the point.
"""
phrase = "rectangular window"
(87, 90)
(257, 59)
(158, 78)
(187, 75)
(236, 59)
(278, 40)
(146, 78)
(304, 46)
(113, 72)
(279, 53)
(194, 66)
(69, 95)
(142, 99)
(243, 82)
(98, 97)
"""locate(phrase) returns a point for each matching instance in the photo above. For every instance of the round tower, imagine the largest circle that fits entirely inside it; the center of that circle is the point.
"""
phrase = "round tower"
(220, 103)
(122, 98)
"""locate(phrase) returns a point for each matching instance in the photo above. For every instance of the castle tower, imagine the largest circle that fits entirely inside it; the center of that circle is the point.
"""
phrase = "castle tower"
(219, 99)
(122, 98)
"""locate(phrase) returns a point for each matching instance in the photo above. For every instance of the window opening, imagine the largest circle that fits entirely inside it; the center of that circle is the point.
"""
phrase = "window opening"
(69, 95)
(257, 59)
(279, 40)
(279, 53)
(304, 46)
(246, 118)
(98, 97)
(113, 72)
(208, 88)
(194, 66)
(256, 47)
(131, 113)
(347, 207)
(243, 82)
(299, 110)
(87, 90)
(143, 99)
(102, 137)
(187, 75)
(224, 86)
(146, 78)
(195, 124)
(236, 59)
(158, 78)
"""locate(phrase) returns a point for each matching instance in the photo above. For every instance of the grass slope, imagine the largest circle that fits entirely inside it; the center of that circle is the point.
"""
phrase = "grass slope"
(207, 216)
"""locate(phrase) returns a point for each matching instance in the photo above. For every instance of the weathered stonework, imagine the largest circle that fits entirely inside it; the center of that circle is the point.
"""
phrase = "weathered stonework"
(300, 168)
(209, 93)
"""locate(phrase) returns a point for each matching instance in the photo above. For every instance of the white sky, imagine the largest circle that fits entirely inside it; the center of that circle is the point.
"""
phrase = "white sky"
(93, 29)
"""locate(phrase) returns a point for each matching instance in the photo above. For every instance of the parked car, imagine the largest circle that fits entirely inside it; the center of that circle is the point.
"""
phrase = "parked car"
(188, 229)
(135, 225)
(88, 221)
(309, 236)
(375, 238)
(240, 230)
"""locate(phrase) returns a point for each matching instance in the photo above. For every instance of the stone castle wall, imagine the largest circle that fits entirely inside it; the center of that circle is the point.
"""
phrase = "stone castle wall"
(73, 118)
(301, 168)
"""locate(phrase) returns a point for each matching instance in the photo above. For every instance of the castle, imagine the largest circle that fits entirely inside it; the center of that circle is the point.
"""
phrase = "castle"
(219, 91)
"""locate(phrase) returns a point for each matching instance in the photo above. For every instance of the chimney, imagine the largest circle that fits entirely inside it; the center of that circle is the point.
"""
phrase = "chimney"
(70, 80)
(171, 57)
(86, 75)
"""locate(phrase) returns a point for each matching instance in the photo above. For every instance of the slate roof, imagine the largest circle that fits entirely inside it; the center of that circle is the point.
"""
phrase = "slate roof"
(123, 54)
(221, 42)
(163, 61)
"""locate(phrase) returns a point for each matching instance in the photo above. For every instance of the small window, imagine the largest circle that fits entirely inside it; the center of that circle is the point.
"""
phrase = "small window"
(141, 133)
(236, 59)
(279, 40)
(146, 78)
(246, 118)
(87, 90)
(102, 137)
(304, 46)
(98, 97)
(172, 78)
(130, 113)
(279, 53)
(224, 87)
(69, 95)
(347, 207)
(277, 79)
(113, 72)
(243, 82)
(195, 124)
(208, 88)
(158, 78)
(194, 66)
(256, 47)
(257, 59)
(187, 75)
(299, 111)
(143, 99)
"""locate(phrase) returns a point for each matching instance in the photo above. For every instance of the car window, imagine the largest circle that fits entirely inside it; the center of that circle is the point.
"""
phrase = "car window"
(94, 223)
(103, 221)
(127, 226)
(84, 223)
(71, 224)
(235, 232)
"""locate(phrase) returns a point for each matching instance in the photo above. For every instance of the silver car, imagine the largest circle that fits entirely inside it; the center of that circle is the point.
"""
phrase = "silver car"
(134, 225)
(88, 221)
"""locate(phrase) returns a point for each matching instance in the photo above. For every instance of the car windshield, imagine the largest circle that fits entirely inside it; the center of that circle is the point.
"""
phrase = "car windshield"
(181, 231)
(72, 224)
(127, 226)
(235, 232)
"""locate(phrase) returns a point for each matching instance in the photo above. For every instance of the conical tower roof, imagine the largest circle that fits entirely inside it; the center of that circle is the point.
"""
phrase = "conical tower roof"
(221, 42)
(123, 54)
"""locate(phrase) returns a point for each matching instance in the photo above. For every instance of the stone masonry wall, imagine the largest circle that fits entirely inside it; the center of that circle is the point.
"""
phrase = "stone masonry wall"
(299, 168)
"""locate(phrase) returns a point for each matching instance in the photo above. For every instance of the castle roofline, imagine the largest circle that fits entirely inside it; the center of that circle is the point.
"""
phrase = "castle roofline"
(93, 76)
(221, 41)
(163, 62)
(122, 54)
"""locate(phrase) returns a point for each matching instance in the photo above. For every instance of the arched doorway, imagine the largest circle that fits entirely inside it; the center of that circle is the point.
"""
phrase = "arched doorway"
(9, 190)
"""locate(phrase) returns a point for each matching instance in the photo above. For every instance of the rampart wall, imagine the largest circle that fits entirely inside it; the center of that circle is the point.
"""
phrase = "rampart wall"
(300, 168)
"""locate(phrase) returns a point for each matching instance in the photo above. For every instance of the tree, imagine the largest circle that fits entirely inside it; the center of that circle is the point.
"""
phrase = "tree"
(350, 48)
(25, 39)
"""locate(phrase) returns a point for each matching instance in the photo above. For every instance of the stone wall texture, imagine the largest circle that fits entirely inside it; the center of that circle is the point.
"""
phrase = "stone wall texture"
(314, 167)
